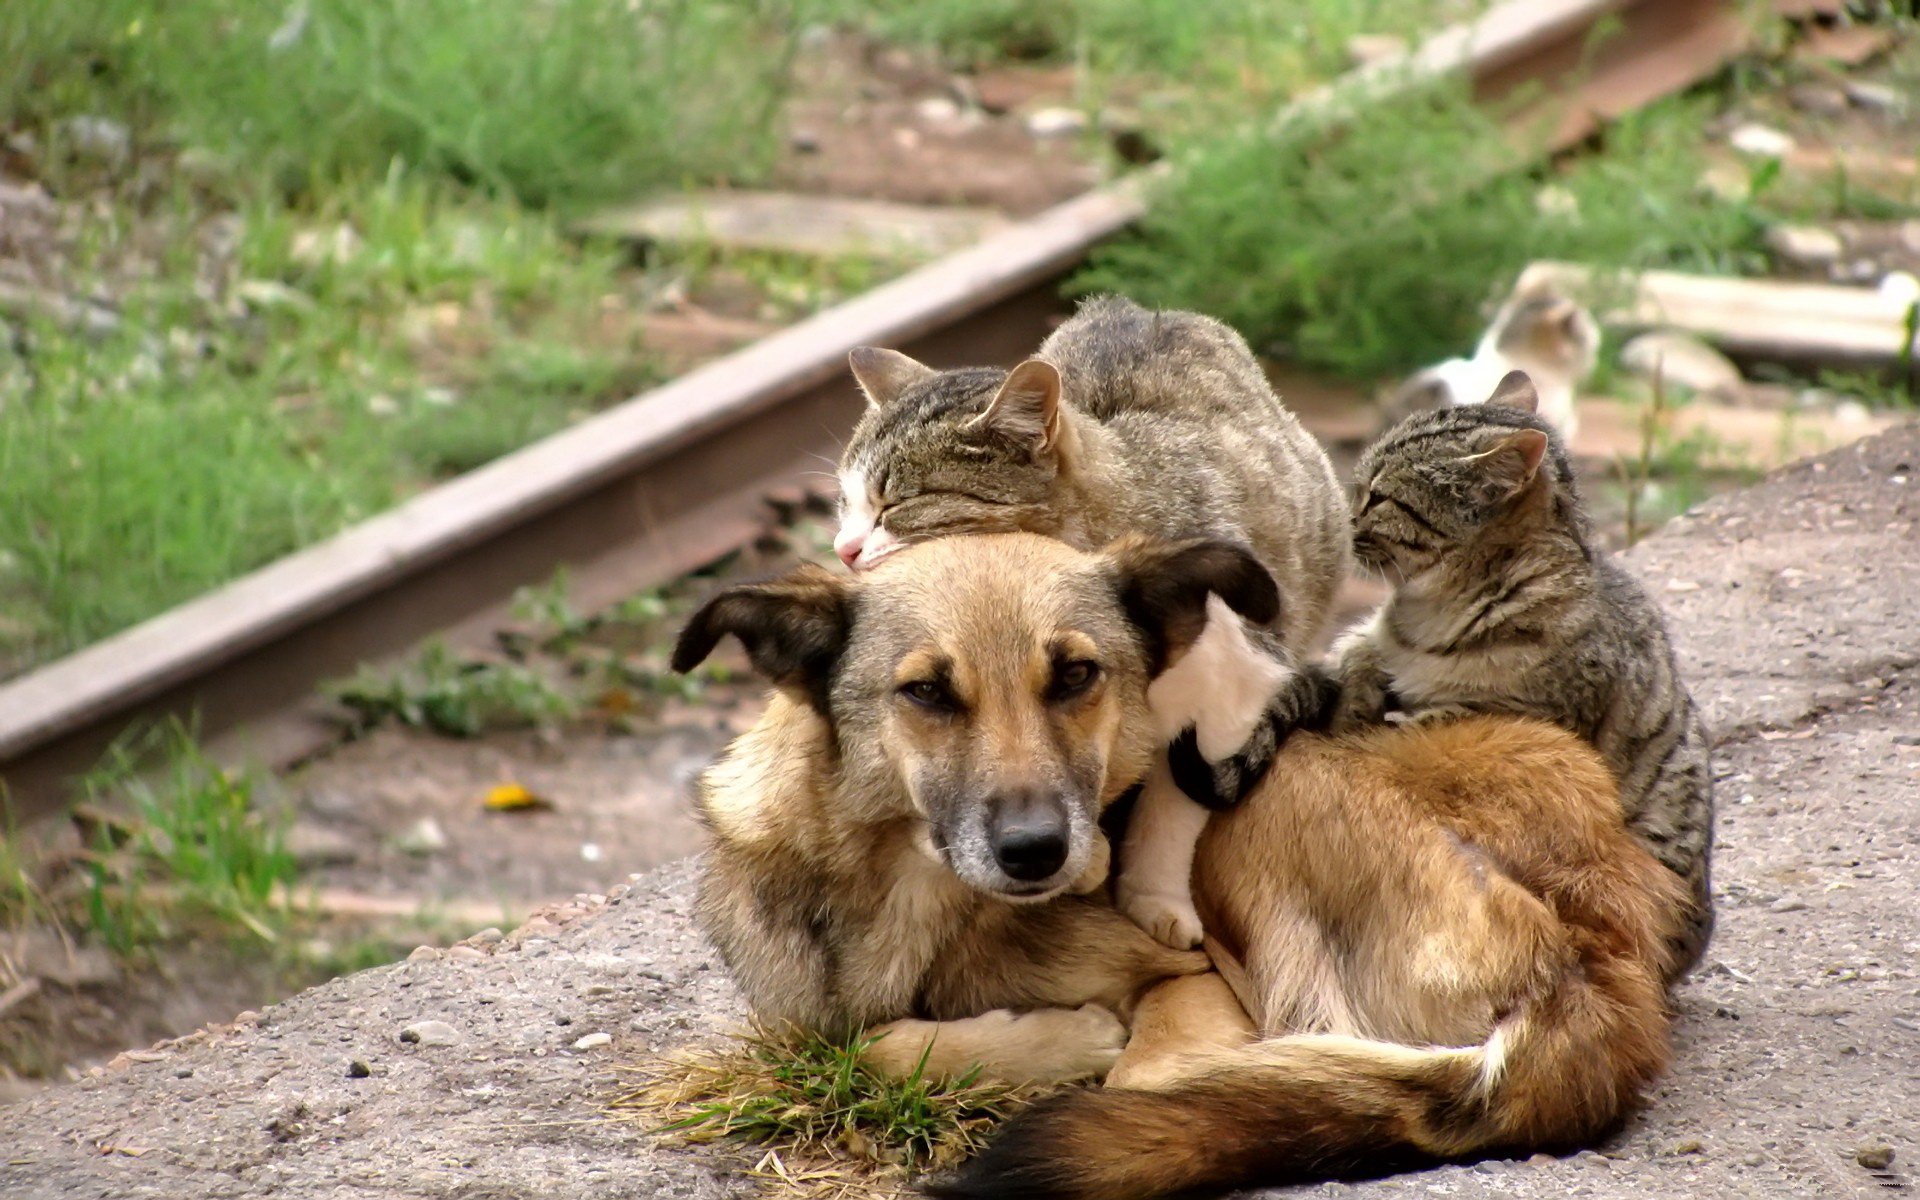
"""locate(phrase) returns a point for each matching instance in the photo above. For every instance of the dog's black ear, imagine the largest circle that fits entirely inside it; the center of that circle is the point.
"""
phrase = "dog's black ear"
(794, 629)
(1163, 587)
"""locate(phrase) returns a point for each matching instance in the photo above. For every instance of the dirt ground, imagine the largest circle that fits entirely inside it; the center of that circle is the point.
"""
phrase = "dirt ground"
(1797, 1039)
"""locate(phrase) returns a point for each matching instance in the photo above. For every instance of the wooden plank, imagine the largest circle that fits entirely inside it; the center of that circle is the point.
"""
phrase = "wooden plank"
(812, 226)
(1756, 318)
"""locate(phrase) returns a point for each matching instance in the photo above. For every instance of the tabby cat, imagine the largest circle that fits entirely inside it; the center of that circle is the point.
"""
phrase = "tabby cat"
(1127, 421)
(1503, 604)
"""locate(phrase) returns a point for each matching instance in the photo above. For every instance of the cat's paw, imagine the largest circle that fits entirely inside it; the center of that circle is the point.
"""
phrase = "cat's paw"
(1168, 917)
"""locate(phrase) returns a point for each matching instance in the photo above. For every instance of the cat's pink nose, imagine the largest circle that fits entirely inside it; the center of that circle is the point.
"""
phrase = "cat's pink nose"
(848, 546)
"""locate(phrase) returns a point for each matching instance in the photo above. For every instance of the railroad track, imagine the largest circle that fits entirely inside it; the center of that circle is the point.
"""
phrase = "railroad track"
(678, 476)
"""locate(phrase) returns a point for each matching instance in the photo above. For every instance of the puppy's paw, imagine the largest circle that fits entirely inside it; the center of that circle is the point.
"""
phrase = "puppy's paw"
(1095, 876)
(1168, 916)
(1072, 1043)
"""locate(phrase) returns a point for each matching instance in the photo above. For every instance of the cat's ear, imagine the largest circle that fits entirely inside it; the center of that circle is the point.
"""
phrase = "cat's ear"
(1163, 587)
(794, 629)
(884, 374)
(1027, 408)
(1512, 464)
(1516, 390)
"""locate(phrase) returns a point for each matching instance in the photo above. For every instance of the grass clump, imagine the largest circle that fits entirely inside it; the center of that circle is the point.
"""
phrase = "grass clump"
(460, 697)
(563, 102)
(826, 1121)
(1370, 251)
(189, 847)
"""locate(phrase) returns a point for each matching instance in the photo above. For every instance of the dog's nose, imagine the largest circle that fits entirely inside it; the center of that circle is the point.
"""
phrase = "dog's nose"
(848, 546)
(1029, 835)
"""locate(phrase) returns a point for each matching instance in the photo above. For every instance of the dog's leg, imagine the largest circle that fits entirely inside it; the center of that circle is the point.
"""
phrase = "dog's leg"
(1180, 1022)
(1050, 1045)
(1156, 868)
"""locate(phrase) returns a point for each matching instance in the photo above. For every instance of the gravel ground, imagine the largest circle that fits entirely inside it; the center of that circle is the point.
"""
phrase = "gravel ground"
(1798, 1043)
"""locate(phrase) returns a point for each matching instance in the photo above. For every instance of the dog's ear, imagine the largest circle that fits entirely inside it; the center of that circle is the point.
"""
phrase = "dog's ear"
(885, 374)
(1163, 586)
(794, 629)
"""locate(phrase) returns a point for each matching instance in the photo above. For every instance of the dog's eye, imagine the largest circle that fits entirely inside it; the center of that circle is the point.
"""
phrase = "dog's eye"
(929, 693)
(1074, 677)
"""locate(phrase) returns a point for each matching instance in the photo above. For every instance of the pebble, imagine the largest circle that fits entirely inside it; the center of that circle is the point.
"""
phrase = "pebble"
(487, 936)
(425, 835)
(101, 139)
(804, 141)
(318, 846)
(1874, 1158)
(593, 1041)
(424, 954)
(1056, 122)
(937, 109)
(430, 1033)
(465, 953)
(1787, 904)
(1805, 245)
(1819, 99)
(1877, 96)
(358, 1069)
(1760, 141)
(600, 989)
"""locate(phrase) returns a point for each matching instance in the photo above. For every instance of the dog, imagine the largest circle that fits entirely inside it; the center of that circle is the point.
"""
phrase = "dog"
(1450, 944)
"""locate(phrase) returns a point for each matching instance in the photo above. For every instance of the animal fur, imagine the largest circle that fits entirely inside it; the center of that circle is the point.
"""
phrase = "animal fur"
(1453, 944)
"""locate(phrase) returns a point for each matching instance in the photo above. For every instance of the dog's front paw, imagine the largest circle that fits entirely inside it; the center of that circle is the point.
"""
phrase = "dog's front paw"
(1072, 1043)
(1168, 916)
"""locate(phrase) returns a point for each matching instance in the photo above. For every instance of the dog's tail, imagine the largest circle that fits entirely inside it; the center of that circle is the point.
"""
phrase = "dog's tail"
(1557, 1072)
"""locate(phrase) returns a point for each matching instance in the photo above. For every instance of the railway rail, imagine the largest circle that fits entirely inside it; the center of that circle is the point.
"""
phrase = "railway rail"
(677, 476)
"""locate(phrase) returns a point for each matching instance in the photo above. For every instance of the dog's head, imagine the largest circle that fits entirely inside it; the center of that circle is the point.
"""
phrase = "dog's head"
(993, 687)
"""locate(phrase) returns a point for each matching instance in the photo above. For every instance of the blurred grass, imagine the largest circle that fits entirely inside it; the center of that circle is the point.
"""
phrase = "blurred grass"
(1375, 249)
(563, 102)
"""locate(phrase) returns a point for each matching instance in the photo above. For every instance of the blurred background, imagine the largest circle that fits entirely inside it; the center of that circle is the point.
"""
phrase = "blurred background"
(268, 270)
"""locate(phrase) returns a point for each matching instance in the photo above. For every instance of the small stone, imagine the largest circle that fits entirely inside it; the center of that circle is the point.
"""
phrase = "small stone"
(430, 1033)
(1786, 904)
(1541, 1160)
(1906, 739)
(424, 836)
(424, 954)
(465, 953)
(318, 846)
(591, 852)
(487, 936)
(593, 1041)
(183, 1072)
(1760, 141)
(804, 141)
(98, 139)
(1805, 245)
(358, 1069)
(1818, 99)
(600, 989)
(1687, 1146)
(1681, 359)
(1056, 122)
(1877, 97)
(563, 1019)
(937, 109)
(272, 294)
(1874, 1158)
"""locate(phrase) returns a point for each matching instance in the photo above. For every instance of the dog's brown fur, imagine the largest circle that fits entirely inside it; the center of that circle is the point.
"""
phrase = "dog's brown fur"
(1451, 939)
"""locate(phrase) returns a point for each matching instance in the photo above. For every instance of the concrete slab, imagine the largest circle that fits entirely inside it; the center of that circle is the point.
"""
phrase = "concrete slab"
(1797, 606)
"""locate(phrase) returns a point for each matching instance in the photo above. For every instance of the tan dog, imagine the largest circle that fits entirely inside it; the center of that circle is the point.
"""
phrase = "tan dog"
(1449, 937)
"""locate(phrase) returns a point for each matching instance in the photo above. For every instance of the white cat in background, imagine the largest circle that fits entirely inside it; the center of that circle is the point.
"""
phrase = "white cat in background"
(1539, 331)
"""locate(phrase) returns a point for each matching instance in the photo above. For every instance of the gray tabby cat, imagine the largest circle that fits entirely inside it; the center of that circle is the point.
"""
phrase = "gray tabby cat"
(1127, 421)
(1503, 604)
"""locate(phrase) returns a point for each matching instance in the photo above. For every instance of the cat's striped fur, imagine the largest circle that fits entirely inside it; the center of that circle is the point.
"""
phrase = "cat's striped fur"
(1503, 604)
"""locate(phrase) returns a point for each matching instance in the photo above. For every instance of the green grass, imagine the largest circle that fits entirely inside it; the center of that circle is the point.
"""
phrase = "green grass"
(1374, 250)
(827, 1119)
(565, 101)
(252, 404)
(193, 849)
(460, 697)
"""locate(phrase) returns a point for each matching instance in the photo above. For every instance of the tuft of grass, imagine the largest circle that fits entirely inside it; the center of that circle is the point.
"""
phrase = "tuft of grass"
(456, 696)
(1371, 250)
(822, 1116)
(194, 847)
(566, 102)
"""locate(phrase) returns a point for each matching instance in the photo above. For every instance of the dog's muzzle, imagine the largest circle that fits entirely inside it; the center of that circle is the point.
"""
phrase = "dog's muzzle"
(1029, 834)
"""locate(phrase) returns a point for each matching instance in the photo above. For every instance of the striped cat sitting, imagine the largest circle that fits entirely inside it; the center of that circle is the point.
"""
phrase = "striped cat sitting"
(1503, 604)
